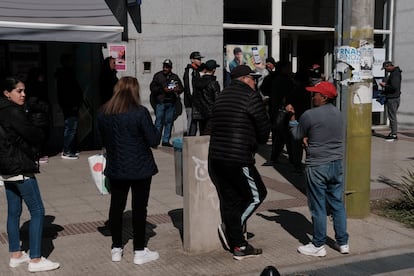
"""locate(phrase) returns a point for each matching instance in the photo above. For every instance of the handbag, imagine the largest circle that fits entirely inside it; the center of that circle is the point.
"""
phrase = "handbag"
(97, 164)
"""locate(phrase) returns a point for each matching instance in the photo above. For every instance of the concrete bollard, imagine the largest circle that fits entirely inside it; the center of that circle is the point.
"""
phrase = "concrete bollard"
(201, 204)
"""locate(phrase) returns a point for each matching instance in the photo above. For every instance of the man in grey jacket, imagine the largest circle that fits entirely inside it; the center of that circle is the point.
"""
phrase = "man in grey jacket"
(323, 133)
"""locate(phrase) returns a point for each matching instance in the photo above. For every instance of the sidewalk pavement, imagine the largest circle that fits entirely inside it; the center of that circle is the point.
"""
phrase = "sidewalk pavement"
(75, 216)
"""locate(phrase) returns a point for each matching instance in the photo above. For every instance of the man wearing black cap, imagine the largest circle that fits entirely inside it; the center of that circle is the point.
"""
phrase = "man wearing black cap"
(321, 129)
(392, 92)
(239, 123)
(206, 90)
(191, 73)
(165, 88)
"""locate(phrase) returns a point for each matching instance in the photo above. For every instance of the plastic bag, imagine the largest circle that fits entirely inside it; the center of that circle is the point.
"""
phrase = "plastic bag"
(97, 164)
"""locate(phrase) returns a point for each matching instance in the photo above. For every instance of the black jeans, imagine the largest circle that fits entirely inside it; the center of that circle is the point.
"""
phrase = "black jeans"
(119, 194)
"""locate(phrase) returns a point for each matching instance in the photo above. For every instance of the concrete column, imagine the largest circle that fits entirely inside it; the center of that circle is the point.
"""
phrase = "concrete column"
(276, 25)
(201, 203)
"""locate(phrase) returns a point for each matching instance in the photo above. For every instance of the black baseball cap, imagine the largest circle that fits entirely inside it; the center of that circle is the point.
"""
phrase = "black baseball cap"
(211, 64)
(196, 55)
(167, 62)
(386, 63)
(243, 70)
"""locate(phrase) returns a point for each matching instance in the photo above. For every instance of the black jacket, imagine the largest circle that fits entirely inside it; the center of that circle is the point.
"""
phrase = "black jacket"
(107, 81)
(206, 89)
(239, 124)
(20, 140)
(159, 82)
(189, 70)
(128, 138)
(70, 94)
(392, 87)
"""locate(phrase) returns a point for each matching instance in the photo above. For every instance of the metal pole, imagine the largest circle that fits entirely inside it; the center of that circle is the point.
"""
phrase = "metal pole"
(356, 51)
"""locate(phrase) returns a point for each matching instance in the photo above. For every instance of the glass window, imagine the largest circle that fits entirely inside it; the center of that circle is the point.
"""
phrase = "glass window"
(248, 12)
(313, 13)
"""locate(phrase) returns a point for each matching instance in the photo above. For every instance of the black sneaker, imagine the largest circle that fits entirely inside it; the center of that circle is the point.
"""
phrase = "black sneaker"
(391, 137)
(223, 237)
(69, 155)
(166, 144)
(247, 251)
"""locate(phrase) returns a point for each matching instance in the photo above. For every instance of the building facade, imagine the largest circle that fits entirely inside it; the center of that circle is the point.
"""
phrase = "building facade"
(301, 31)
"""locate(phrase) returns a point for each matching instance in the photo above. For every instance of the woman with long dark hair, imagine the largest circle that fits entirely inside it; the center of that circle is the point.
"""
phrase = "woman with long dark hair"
(20, 140)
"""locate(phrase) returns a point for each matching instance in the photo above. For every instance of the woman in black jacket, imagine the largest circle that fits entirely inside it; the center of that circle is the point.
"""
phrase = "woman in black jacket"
(127, 133)
(20, 139)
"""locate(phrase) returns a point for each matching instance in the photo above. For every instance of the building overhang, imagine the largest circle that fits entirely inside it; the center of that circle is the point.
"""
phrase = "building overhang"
(59, 20)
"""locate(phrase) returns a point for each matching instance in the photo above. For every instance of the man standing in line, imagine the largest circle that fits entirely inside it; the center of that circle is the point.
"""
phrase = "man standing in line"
(206, 91)
(265, 86)
(392, 92)
(70, 97)
(191, 73)
(165, 88)
(239, 124)
(322, 131)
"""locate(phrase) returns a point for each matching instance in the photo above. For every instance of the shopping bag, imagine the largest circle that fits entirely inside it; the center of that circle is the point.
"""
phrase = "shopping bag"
(97, 165)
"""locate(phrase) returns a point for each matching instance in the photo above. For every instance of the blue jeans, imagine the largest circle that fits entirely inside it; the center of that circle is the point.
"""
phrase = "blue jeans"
(26, 190)
(164, 116)
(325, 185)
(69, 134)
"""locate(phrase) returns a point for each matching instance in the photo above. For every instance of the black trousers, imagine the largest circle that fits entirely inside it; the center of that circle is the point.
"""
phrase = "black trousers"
(119, 193)
(240, 190)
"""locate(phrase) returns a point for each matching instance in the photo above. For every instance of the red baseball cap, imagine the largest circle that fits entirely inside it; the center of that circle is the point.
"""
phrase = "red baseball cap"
(326, 88)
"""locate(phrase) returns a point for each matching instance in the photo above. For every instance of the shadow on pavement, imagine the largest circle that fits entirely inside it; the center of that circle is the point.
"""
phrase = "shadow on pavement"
(176, 216)
(296, 224)
(287, 170)
(127, 230)
(50, 232)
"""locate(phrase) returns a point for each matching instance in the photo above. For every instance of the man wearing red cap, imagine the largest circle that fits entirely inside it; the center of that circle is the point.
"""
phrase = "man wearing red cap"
(322, 131)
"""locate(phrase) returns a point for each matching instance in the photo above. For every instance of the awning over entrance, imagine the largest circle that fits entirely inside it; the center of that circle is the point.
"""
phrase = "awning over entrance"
(58, 20)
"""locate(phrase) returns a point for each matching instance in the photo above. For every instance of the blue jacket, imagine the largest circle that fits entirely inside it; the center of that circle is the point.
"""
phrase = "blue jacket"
(128, 138)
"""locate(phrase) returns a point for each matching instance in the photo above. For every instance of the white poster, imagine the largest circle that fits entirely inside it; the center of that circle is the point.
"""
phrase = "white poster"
(379, 58)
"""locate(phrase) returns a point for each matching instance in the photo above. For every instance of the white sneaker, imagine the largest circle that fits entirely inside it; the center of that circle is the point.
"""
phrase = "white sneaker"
(343, 249)
(116, 253)
(312, 250)
(15, 262)
(145, 256)
(43, 265)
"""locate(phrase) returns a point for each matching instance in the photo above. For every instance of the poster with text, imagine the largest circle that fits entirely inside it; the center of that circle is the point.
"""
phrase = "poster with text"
(119, 53)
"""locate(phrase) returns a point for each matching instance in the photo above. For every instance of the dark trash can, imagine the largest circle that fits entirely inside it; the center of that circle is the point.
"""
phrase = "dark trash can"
(178, 158)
